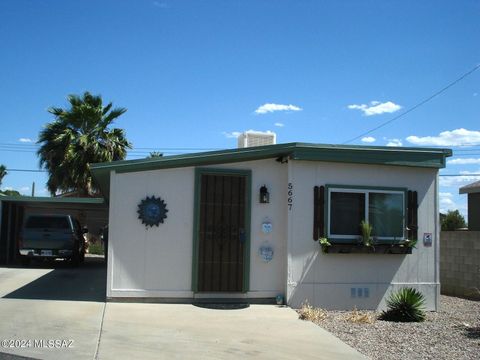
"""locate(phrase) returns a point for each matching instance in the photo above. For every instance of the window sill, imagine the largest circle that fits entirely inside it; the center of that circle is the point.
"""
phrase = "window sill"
(362, 249)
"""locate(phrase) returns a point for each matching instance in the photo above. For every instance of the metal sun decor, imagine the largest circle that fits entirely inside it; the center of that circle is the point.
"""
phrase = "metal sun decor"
(152, 211)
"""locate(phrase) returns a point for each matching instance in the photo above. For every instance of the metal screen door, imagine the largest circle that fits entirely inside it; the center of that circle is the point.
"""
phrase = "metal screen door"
(221, 233)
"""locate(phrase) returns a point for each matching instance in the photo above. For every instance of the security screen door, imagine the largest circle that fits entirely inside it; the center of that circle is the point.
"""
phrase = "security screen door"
(222, 234)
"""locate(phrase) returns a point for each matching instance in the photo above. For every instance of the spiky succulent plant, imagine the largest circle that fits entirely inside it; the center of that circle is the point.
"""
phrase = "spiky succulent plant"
(405, 305)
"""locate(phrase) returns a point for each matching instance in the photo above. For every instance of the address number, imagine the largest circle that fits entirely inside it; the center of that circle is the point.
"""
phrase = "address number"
(290, 196)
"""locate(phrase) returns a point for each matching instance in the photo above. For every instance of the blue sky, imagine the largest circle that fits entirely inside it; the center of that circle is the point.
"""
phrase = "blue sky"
(193, 73)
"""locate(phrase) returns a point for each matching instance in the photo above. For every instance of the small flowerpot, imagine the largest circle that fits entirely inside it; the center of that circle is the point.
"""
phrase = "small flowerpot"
(279, 299)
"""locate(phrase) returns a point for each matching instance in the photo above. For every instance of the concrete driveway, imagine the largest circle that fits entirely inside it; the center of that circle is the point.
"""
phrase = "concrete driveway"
(52, 312)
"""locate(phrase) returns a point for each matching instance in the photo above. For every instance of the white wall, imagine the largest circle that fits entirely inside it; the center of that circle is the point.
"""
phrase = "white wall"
(326, 279)
(151, 261)
(157, 262)
(267, 279)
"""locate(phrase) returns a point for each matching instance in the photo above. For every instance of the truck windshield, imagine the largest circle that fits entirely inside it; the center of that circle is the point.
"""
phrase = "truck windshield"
(50, 222)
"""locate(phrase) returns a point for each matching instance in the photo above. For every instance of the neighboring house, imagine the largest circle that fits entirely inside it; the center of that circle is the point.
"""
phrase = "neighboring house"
(473, 191)
(245, 223)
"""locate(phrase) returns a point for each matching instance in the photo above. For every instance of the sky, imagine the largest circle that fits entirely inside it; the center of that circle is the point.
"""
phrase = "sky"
(193, 74)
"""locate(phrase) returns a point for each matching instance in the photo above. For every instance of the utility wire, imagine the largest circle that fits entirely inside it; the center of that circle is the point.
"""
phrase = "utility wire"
(459, 175)
(33, 170)
(471, 71)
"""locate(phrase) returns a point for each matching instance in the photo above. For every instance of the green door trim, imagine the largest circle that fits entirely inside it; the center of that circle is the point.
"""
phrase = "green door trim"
(196, 219)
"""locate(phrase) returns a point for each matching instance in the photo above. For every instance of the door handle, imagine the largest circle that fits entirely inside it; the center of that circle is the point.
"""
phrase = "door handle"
(241, 235)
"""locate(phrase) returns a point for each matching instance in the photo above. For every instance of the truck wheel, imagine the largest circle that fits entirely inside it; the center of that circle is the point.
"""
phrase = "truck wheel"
(75, 259)
(81, 258)
(25, 261)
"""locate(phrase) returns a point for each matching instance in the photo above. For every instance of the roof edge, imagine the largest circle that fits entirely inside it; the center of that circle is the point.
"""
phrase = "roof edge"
(48, 199)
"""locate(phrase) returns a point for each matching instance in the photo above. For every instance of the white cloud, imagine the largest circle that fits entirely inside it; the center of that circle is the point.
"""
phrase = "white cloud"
(376, 108)
(43, 191)
(464, 178)
(448, 138)
(231, 134)
(160, 4)
(394, 142)
(466, 161)
(279, 124)
(447, 202)
(368, 139)
(446, 198)
(268, 108)
(25, 140)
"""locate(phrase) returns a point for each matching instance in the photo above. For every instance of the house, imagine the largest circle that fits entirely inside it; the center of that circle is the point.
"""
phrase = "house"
(473, 191)
(245, 224)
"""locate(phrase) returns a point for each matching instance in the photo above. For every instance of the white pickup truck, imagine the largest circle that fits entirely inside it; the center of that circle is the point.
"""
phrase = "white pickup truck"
(52, 237)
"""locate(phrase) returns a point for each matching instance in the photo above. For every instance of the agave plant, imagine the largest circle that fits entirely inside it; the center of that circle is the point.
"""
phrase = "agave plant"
(366, 229)
(405, 305)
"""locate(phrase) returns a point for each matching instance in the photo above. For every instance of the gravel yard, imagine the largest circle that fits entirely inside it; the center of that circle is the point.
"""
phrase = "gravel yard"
(451, 333)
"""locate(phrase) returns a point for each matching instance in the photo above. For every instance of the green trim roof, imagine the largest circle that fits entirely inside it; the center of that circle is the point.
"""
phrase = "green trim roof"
(381, 155)
(57, 200)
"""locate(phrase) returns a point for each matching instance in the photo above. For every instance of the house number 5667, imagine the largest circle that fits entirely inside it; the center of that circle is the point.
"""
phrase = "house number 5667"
(290, 196)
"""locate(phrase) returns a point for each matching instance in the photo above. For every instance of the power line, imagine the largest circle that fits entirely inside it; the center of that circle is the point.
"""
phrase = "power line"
(139, 149)
(459, 175)
(26, 170)
(417, 105)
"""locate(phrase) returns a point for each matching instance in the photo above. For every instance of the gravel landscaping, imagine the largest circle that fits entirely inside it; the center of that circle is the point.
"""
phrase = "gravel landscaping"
(451, 333)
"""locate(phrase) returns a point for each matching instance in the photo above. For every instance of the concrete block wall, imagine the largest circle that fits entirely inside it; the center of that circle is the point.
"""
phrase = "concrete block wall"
(460, 263)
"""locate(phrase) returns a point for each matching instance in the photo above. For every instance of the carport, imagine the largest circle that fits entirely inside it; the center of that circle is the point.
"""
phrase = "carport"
(91, 212)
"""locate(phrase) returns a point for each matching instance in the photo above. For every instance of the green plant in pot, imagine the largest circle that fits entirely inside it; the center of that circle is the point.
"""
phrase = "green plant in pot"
(325, 244)
(366, 229)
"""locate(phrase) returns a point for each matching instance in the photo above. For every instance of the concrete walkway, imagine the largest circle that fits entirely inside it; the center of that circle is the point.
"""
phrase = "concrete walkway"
(146, 331)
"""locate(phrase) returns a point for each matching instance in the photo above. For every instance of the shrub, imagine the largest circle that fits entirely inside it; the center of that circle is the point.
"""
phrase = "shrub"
(360, 317)
(95, 248)
(405, 305)
(308, 312)
(453, 220)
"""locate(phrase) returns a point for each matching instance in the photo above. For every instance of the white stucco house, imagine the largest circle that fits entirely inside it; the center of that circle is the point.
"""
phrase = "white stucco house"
(245, 223)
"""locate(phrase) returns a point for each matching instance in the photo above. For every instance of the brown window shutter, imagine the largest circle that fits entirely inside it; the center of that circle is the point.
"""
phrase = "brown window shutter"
(318, 212)
(412, 215)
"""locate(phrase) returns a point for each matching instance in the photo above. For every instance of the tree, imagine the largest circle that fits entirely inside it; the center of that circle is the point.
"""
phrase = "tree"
(3, 172)
(154, 154)
(453, 220)
(78, 137)
(10, 193)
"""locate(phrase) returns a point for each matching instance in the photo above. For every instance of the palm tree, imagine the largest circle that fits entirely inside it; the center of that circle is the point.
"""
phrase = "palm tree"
(78, 137)
(3, 172)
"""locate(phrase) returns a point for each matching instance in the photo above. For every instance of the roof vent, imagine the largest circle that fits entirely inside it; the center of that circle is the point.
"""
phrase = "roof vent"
(256, 138)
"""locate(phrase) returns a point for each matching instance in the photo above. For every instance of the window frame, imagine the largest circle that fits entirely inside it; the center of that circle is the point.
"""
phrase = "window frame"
(329, 188)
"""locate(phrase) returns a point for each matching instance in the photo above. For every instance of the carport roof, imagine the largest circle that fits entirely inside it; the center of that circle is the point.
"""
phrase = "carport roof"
(58, 200)
(382, 155)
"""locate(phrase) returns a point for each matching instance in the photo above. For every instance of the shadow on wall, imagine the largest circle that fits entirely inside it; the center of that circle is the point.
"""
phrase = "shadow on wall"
(345, 281)
(84, 283)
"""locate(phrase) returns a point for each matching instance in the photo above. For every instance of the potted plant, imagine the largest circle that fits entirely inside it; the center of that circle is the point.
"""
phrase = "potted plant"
(366, 229)
(325, 244)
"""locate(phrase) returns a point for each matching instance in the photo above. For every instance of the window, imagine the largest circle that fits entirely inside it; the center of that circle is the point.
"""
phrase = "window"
(383, 209)
(47, 222)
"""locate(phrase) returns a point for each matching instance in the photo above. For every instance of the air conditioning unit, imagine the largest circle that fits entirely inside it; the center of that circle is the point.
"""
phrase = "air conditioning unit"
(256, 138)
